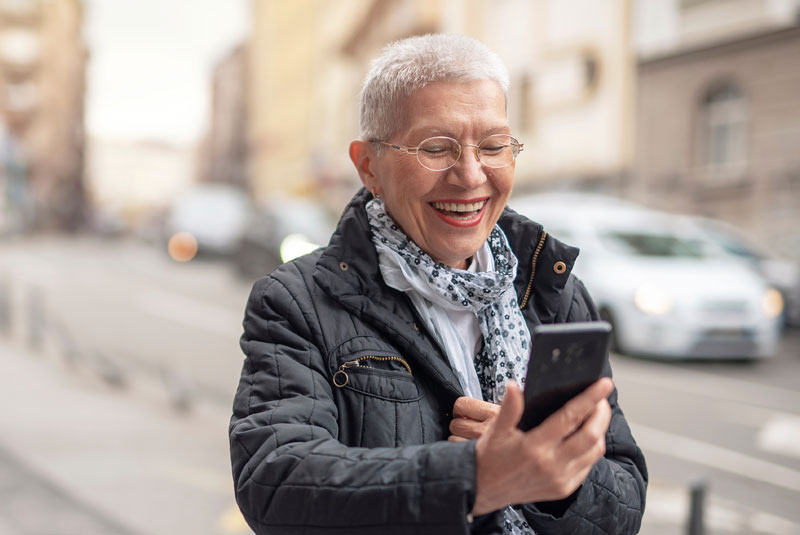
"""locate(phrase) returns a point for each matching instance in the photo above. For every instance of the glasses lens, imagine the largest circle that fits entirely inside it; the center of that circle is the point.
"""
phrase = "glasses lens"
(438, 153)
(498, 150)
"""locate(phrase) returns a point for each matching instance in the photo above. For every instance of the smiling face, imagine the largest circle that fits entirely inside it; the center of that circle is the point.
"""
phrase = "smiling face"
(449, 214)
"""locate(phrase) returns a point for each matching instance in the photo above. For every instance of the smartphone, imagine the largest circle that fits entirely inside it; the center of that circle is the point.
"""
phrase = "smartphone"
(565, 359)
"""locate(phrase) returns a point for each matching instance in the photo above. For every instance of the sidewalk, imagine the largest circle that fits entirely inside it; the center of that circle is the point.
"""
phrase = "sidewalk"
(80, 456)
(30, 504)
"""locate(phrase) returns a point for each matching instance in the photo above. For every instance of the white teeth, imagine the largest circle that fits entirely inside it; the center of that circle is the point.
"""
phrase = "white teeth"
(459, 207)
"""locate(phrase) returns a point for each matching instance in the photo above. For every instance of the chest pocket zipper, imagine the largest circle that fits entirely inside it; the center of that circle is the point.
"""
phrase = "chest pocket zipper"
(340, 378)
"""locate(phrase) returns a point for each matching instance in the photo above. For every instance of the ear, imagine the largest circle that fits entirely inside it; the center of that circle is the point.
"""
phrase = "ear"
(363, 157)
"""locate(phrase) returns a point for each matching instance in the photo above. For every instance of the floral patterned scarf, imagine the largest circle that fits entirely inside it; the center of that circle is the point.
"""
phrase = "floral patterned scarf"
(435, 288)
(490, 295)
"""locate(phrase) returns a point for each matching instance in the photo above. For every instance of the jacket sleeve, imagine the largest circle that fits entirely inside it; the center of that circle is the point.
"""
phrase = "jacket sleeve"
(292, 475)
(611, 500)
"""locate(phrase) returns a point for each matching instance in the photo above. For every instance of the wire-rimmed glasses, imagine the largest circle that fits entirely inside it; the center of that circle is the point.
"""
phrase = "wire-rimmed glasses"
(440, 153)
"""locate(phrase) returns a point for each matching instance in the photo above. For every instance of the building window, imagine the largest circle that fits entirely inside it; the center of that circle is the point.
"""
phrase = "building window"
(723, 133)
(685, 4)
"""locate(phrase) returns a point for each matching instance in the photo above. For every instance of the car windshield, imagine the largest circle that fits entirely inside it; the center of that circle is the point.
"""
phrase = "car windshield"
(734, 247)
(649, 244)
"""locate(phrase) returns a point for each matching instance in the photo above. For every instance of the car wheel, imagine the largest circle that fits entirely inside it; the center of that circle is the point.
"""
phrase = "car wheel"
(613, 344)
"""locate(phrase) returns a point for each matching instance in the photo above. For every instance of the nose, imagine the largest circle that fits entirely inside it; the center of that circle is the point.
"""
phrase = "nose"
(468, 172)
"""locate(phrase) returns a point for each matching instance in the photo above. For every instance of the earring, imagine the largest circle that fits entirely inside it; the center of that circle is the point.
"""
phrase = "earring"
(376, 195)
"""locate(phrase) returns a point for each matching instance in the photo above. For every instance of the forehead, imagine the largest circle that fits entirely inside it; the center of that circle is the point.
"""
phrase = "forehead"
(452, 106)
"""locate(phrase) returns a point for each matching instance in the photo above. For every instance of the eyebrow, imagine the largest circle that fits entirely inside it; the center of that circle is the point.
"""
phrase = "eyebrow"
(426, 132)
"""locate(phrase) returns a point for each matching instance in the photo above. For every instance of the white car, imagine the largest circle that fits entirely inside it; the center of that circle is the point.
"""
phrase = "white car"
(214, 215)
(663, 295)
(718, 238)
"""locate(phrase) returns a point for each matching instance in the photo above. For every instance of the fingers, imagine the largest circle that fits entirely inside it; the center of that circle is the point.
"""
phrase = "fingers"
(453, 438)
(597, 424)
(571, 416)
(467, 428)
(472, 417)
(546, 463)
(511, 409)
(605, 386)
(590, 440)
(475, 409)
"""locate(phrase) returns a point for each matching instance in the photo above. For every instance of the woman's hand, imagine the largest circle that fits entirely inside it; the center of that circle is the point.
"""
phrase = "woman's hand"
(546, 463)
(471, 418)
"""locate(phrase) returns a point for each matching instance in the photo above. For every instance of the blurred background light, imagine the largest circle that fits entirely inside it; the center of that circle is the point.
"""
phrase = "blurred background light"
(652, 299)
(294, 246)
(773, 303)
(182, 247)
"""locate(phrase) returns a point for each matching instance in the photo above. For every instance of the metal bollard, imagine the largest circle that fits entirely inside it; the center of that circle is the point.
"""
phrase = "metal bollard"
(5, 304)
(179, 390)
(65, 342)
(697, 497)
(36, 318)
(110, 371)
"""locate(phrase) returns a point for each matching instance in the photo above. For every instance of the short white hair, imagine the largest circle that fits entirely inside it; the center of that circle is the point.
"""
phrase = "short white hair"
(410, 64)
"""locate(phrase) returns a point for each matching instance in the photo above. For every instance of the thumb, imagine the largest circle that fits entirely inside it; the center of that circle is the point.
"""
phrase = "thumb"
(511, 409)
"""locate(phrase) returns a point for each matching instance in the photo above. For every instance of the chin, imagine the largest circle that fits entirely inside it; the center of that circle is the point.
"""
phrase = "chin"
(459, 256)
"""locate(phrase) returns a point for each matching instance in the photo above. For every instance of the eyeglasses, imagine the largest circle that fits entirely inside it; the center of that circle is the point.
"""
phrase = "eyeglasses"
(441, 153)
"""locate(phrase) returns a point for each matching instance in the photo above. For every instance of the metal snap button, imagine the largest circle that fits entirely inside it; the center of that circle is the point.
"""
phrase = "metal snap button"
(559, 267)
(343, 266)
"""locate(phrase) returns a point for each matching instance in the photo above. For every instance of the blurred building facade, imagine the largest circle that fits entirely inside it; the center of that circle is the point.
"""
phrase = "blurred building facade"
(719, 113)
(223, 153)
(572, 84)
(689, 105)
(128, 178)
(283, 71)
(42, 86)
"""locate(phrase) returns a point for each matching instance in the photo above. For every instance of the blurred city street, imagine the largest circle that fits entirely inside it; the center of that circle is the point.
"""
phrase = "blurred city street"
(120, 364)
(158, 157)
(102, 434)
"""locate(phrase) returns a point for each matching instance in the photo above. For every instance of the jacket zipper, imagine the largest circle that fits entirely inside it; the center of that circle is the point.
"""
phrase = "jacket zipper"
(340, 378)
(533, 271)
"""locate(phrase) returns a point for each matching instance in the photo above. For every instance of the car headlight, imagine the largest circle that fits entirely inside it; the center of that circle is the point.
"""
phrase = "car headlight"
(652, 299)
(772, 303)
(295, 245)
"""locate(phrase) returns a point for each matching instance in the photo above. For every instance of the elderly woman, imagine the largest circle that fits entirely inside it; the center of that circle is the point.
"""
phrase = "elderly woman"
(379, 391)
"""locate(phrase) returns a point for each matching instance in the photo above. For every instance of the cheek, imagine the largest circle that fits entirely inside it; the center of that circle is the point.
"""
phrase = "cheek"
(408, 186)
(403, 192)
(502, 184)
(505, 186)
(506, 181)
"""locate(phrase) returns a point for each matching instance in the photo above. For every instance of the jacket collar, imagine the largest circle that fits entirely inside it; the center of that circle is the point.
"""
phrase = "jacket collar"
(550, 267)
(348, 272)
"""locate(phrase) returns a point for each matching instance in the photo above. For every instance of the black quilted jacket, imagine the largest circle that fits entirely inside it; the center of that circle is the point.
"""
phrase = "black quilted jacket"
(322, 446)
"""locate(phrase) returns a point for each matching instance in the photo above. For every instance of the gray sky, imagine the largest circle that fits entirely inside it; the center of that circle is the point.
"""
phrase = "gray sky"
(150, 64)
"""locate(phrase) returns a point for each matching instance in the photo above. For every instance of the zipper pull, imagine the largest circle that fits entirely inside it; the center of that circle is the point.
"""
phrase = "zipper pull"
(340, 378)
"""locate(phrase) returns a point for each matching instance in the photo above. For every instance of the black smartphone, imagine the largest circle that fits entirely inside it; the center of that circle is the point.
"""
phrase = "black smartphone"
(565, 359)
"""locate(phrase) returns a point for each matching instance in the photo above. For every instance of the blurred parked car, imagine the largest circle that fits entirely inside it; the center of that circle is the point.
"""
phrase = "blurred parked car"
(718, 237)
(283, 230)
(209, 218)
(664, 295)
(107, 222)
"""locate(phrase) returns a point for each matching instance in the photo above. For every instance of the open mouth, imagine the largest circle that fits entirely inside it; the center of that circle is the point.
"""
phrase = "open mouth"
(460, 211)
